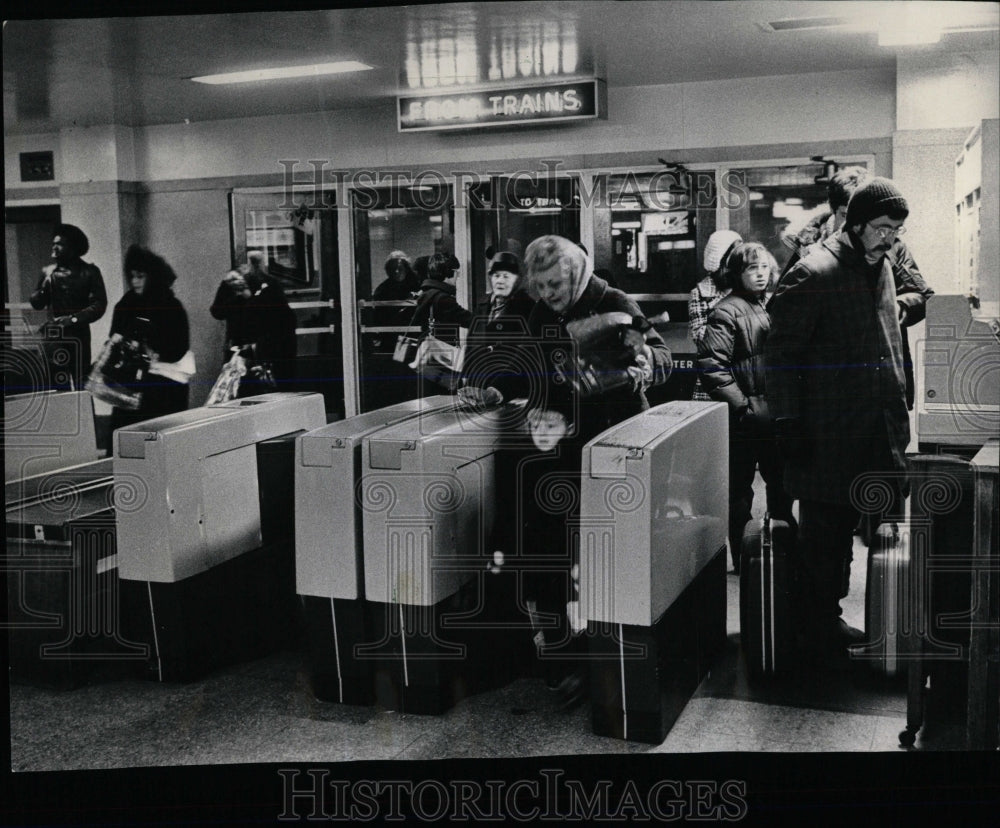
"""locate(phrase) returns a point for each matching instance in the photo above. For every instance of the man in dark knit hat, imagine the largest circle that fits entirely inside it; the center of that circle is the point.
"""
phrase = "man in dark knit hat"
(837, 390)
(912, 292)
(73, 291)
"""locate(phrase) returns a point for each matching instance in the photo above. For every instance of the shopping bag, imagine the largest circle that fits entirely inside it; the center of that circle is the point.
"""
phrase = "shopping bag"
(228, 383)
(117, 371)
(180, 371)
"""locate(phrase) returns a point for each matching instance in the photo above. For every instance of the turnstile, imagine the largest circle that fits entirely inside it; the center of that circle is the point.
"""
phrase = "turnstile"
(329, 564)
(205, 546)
(427, 493)
(47, 430)
(62, 621)
(653, 526)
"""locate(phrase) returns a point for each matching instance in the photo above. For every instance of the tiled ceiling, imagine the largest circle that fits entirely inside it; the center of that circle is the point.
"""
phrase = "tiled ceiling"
(135, 70)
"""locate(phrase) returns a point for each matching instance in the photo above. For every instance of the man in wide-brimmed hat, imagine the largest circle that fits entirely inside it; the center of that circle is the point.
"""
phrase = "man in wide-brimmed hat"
(73, 291)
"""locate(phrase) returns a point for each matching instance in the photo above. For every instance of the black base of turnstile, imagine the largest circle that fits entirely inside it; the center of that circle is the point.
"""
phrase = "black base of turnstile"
(239, 610)
(476, 640)
(642, 677)
(416, 666)
(62, 618)
(426, 659)
(333, 628)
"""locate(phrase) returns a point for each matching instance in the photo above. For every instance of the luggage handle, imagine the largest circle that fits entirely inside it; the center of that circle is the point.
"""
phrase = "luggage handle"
(765, 533)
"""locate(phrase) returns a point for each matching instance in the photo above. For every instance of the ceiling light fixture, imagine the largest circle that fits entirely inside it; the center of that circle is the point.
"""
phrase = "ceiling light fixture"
(312, 70)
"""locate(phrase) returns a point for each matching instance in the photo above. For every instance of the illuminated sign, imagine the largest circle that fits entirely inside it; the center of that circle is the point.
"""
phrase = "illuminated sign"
(541, 104)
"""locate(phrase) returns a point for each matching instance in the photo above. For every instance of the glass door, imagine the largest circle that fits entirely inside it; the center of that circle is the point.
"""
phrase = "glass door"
(771, 204)
(510, 213)
(395, 229)
(297, 234)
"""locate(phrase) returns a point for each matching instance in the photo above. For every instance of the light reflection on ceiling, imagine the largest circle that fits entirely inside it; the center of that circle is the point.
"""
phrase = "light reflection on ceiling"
(465, 49)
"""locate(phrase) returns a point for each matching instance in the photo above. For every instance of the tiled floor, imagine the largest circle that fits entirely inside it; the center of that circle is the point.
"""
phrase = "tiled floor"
(264, 711)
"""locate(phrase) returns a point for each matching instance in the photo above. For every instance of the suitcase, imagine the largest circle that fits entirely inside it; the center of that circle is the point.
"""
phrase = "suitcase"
(890, 613)
(653, 524)
(767, 579)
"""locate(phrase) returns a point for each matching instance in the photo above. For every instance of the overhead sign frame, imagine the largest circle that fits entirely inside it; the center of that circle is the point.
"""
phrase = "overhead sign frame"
(497, 106)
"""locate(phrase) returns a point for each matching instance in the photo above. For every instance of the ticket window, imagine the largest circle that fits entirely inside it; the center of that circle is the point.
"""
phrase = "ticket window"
(509, 213)
(418, 221)
(649, 231)
(297, 234)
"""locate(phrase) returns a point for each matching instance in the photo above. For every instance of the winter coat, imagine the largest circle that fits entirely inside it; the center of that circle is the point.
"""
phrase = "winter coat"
(488, 347)
(912, 292)
(731, 359)
(834, 363)
(75, 291)
(548, 330)
(438, 299)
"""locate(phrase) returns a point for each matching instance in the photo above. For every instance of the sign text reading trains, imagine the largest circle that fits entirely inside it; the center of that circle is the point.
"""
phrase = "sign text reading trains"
(519, 105)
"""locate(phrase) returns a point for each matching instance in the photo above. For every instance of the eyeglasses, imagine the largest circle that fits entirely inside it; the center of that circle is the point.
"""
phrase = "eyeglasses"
(886, 232)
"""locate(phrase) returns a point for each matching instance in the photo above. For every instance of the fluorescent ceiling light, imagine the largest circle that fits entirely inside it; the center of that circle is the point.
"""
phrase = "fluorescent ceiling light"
(311, 70)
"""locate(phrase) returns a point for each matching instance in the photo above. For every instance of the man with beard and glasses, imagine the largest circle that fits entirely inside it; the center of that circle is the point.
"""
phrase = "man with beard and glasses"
(837, 393)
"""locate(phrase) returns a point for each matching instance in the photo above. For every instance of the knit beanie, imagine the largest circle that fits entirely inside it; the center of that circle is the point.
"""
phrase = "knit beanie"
(873, 198)
(719, 244)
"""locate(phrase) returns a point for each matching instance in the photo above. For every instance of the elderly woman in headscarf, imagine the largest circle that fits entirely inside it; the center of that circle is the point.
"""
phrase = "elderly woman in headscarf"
(577, 310)
(572, 396)
(498, 322)
(153, 319)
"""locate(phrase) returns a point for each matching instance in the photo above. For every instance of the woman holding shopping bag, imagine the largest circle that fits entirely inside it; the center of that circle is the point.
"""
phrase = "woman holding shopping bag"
(153, 321)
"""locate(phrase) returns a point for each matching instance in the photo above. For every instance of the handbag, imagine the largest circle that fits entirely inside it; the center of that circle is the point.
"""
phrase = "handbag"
(406, 348)
(116, 372)
(180, 371)
(407, 344)
(438, 361)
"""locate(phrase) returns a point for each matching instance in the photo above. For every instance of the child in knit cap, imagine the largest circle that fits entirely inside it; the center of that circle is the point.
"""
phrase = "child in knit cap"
(711, 290)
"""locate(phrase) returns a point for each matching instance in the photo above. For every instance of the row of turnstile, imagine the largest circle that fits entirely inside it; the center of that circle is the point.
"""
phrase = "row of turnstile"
(222, 533)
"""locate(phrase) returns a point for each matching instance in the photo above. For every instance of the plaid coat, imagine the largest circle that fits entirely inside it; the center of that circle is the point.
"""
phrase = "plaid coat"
(834, 361)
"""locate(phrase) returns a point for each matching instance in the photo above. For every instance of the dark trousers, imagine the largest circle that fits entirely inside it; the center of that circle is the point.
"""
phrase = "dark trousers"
(746, 455)
(826, 541)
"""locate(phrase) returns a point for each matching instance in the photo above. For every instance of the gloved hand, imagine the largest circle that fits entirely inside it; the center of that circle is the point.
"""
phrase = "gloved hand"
(476, 397)
(642, 372)
(755, 417)
(793, 444)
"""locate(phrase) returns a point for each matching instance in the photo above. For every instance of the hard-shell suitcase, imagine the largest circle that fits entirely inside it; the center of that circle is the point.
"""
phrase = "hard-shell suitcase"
(767, 572)
(890, 614)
